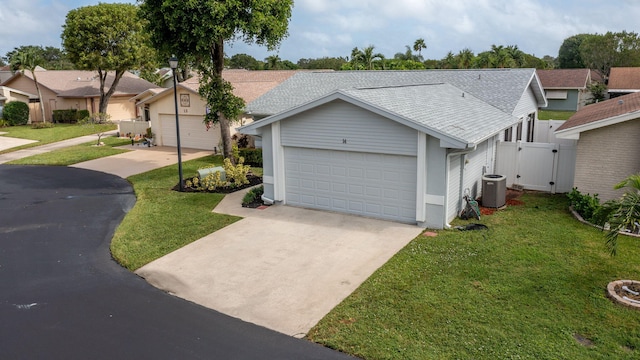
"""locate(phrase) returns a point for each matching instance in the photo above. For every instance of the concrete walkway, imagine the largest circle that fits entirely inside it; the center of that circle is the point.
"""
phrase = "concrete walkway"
(283, 268)
(19, 154)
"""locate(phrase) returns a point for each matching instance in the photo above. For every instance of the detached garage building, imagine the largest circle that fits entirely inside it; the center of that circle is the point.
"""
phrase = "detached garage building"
(394, 145)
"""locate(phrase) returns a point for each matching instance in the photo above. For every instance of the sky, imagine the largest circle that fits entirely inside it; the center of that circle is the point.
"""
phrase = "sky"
(332, 28)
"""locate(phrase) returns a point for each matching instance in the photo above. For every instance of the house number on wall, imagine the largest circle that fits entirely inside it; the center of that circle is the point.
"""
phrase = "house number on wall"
(344, 141)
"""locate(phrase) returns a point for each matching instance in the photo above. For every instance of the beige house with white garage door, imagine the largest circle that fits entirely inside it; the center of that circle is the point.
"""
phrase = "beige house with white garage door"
(158, 107)
(80, 90)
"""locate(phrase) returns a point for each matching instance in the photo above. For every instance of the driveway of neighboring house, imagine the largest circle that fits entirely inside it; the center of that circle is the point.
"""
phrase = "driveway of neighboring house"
(282, 267)
(11, 142)
(141, 160)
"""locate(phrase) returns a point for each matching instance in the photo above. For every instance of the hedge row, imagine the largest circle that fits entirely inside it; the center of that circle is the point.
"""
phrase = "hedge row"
(69, 116)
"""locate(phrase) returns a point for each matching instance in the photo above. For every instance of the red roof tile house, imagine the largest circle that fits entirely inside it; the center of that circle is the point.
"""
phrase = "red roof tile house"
(76, 89)
(567, 89)
(608, 148)
(623, 80)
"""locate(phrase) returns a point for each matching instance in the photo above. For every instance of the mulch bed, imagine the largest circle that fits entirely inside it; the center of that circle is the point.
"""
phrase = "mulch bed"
(512, 200)
(253, 181)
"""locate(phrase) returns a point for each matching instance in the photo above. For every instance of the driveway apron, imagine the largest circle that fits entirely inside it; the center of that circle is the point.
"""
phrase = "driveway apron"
(282, 267)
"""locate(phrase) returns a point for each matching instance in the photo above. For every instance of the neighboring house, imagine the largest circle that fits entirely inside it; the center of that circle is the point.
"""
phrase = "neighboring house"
(608, 145)
(8, 94)
(623, 80)
(159, 107)
(5, 73)
(567, 89)
(394, 145)
(76, 89)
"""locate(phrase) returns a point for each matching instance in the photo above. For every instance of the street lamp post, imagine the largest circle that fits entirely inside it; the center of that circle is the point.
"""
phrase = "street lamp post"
(173, 63)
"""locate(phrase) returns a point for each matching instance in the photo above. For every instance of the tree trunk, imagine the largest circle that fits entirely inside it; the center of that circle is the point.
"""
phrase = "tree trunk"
(225, 132)
(104, 97)
(35, 80)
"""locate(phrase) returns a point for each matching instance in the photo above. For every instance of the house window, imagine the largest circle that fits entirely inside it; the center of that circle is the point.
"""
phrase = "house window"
(508, 135)
(519, 132)
(556, 94)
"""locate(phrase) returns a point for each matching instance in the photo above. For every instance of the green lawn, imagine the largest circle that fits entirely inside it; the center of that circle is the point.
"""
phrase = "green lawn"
(76, 154)
(49, 135)
(527, 288)
(554, 115)
(164, 220)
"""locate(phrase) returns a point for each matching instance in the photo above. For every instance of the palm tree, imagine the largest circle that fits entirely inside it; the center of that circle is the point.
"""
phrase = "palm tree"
(465, 58)
(500, 57)
(516, 54)
(419, 45)
(29, 60)
(272, 62)
(622, 214)
(356, 58)
(369, 57)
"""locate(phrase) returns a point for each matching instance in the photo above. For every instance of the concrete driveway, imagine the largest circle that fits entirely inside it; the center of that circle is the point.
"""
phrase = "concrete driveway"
(10, 142)
(140, 160)
(282, 267)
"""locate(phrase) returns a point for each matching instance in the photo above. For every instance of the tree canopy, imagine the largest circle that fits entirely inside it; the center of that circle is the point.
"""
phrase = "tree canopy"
(196, 31)
(106, 37)
(51, 58)
(29, 59)
(602, 52)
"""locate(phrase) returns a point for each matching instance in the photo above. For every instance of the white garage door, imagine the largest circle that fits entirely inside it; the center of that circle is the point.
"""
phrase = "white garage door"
(193, 133)
(373, 185)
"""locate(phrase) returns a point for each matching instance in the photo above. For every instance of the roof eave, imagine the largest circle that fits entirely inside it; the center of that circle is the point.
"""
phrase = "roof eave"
(573, 133)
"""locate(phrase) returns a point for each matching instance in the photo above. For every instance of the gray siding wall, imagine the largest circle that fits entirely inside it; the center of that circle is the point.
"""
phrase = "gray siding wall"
(341, 126)
(605, 157)
(568, 104)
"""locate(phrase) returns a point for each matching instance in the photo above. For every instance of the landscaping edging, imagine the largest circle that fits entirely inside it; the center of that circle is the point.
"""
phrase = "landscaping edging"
(613, 295)
(582, 220)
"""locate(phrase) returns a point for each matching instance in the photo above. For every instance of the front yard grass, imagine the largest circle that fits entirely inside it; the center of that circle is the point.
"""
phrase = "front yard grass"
(76, 154)
(164, 220)
(555, 115)
(530, 287)
(49, 135)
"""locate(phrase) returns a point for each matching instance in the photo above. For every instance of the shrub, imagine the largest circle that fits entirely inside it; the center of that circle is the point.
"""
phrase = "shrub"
(70, 115)
(16, 113)
(42, 125)
(584, 204)
(236, 174)
(4, 123)
(251, 157)
(253, 195)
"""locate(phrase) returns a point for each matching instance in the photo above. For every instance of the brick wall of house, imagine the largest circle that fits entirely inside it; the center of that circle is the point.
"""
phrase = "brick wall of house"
(607, 156)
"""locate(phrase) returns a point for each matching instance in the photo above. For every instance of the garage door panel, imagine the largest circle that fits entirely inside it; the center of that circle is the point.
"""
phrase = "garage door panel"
(374, 185)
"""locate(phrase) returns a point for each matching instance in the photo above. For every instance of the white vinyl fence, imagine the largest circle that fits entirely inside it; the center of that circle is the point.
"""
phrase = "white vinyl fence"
(545, 167)
(133, 127)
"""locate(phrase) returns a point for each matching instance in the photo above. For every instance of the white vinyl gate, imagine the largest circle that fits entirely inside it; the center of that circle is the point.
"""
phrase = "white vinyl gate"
(537, 166)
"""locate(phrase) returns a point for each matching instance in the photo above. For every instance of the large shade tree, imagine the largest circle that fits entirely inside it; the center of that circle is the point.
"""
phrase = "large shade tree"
(197, 30)
(106, 38)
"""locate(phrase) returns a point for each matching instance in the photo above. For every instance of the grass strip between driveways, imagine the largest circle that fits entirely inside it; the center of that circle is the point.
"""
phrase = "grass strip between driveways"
(530, 287)
(76, 154)
(164, 220)
(50, 135)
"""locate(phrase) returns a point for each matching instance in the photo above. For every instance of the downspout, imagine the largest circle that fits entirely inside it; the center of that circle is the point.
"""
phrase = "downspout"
(447, 169)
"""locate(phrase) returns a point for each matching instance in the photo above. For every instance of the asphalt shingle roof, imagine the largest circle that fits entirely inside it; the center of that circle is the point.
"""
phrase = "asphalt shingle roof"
(79, 83)
(624, 78)
(621, 105)
(564, 78)
(442, 108)
(502, 88)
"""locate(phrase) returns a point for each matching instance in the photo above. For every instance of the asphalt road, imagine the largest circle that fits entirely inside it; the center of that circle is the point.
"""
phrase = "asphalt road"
(63, 297)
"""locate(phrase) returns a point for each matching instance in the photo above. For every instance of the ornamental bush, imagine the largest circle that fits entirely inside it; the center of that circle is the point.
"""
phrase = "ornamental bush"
(16, 113)
(584, 204)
